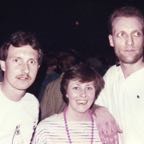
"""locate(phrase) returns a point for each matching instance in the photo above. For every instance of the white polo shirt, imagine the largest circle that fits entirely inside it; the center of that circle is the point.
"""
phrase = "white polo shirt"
(125, 100)
(18, 119)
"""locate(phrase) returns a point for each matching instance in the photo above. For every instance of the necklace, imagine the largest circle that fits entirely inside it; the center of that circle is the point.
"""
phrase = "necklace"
(67, 129)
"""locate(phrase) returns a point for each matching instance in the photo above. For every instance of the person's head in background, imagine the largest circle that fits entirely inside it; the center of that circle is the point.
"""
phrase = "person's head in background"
(20, 57)
(80, 87)
(66, 60)
(51, 62)
(126, 35)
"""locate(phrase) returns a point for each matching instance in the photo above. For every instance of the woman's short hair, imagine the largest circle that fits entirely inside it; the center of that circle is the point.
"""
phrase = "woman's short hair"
(83, 73)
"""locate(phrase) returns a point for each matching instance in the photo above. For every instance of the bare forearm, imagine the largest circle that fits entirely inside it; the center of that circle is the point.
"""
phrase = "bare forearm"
(106, 124)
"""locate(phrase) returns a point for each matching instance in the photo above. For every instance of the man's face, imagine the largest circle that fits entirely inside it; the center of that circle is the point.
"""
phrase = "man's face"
(21, 67)
(127, 39)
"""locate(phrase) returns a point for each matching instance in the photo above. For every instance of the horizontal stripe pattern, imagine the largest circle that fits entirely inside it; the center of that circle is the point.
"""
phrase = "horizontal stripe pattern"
(52, 131)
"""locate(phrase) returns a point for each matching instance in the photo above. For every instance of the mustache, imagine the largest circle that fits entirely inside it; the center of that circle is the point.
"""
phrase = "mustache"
(24, 76)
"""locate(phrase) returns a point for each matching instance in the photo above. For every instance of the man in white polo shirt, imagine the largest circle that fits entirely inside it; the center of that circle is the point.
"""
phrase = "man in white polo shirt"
(123, 93)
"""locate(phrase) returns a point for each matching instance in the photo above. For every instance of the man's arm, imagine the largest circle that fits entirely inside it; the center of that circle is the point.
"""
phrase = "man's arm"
(107, 125)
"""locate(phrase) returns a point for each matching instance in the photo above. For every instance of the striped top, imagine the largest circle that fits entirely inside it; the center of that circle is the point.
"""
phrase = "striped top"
(52, 131)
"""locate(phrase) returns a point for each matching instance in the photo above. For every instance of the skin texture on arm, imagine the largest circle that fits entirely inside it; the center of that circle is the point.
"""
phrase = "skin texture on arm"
(107, 125)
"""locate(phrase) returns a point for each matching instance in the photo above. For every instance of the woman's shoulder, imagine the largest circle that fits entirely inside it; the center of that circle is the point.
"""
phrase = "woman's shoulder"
(56, 118)
(50, 124)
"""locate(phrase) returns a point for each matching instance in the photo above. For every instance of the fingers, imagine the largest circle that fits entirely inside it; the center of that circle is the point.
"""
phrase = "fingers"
(109, 135)
(119, 130)
(107, 127)
(110, 140)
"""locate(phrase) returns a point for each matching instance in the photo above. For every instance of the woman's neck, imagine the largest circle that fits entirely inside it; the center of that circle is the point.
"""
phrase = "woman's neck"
(77, 116)
(65, 114)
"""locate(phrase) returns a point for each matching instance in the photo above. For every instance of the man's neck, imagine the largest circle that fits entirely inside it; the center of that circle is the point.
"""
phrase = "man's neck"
(129, 69)
(10, 93)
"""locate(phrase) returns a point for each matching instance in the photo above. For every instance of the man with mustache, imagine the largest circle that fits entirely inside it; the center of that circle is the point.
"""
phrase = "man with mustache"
(20, 59)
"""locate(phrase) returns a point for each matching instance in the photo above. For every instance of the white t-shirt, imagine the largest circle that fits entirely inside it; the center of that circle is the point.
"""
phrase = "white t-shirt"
(125, 100)
(18, 119)
(52, 131)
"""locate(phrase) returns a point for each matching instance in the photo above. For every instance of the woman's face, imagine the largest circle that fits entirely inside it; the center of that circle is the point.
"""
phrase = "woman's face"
(81, 95)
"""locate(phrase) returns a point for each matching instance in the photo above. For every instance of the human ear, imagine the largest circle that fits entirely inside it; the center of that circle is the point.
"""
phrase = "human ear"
(2, 63)
(110, 37)
(67, 95)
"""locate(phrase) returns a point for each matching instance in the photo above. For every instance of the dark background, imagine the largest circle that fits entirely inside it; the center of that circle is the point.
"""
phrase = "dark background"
(63, 24)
